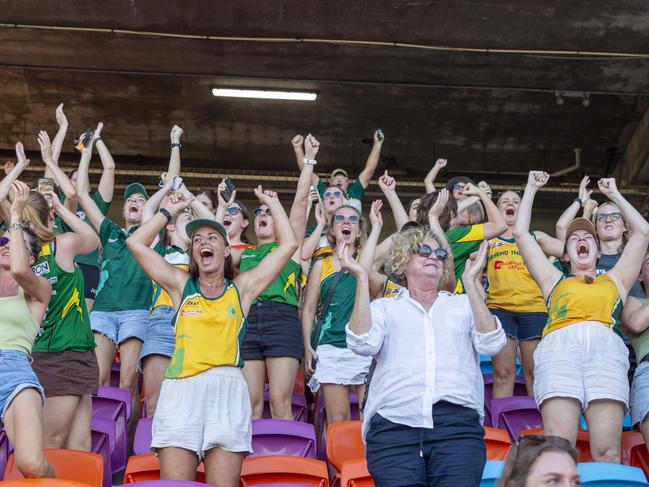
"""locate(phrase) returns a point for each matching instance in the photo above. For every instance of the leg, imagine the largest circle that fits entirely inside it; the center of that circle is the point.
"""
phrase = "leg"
(360, 392)
(254, 371)
(24, 426)
(177, 464)
(561, 417)
(222, 467)
(527, 357)
(154, 367)
(105, 357)
(80, 436)
(604, 418)
(281, 379)
(504, 370)
(336, 399)
(59, 416)
(89, 303)
(129, 352)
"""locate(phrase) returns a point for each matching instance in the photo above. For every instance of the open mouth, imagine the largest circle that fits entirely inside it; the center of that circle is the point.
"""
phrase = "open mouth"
(207, 256)
(510, 211)
(133, 208)
(227, 222)
(582, 250)
(346, 232)
(263, 223)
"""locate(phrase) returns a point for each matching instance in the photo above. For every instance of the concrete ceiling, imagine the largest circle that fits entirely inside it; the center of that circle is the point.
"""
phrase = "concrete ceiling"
(492, 113)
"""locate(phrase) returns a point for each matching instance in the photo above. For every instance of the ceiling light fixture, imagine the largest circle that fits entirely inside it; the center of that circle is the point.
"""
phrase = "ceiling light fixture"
(585, 101)
(265, 94)
(560, 97)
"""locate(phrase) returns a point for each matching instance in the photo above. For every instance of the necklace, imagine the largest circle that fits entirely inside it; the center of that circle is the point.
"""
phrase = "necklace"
(210, 285)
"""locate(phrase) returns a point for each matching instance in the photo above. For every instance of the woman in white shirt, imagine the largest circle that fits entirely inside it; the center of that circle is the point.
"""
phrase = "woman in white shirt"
(423, 414)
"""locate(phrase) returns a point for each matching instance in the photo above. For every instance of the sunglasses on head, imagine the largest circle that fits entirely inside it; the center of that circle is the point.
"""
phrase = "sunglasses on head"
(262, 212)
(335, 194)
(353, 219)
(233, 210)
(602, 217)
(426, 251)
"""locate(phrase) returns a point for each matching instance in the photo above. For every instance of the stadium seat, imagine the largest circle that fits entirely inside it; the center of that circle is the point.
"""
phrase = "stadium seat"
(79, 466)
(354, 474)
(610, 475)
(119, 394)
(271, 470)
(515, 414)
(634, 451)
(344, 442)
(298, 407)
(321, 419)
(107, 411)
(142, 439)
(167, 483)
(498, 443)
(281, 437)
(42, 483)
(519, 390)
(491, 473)
(101, 445)
(4, 451)
(147, 467)
(583, 442)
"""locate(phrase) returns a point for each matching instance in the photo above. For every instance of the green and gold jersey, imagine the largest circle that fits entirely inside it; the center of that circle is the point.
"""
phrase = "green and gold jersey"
(463, 241)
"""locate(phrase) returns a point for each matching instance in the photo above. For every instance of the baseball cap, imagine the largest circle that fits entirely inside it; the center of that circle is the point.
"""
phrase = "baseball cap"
(194, 225)
(581, 223)
(339, 171)
(134, 188)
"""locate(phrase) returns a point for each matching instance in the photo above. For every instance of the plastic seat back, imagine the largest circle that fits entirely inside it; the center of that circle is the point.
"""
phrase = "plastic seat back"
(280, 437)
(118, 394)
(142, 440)
(493, 469)
(147, 467)
(168, 483)
(515, 414)
(344, 443)
(113, 410)
(101, 445)
(270, 470)
(354, 473)
(498, 443)
(583, 442)
(4, 451)
(519, 390)
(79, 466)
(634, 451)
(601, 474)
(42, 483)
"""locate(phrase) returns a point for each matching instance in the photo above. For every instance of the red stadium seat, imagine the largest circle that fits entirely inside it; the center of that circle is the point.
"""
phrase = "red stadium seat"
(498, 443)
(268, 470)
(355, 474)
(78, 466)
(583, 442)
(147, 467)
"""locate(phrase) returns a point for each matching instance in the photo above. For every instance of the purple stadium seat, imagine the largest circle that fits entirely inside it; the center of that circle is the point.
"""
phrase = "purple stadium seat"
(167, 483)
(4, 452)
(142, 440)
(109, 416)
(321, 421)
(298, 406)
(519, 390)
(114, 374)
(281, 437)
(101, 445)
(119, 394)
(515, 414)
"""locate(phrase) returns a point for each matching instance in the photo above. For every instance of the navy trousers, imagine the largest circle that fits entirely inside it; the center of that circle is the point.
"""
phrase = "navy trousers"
(452, 454)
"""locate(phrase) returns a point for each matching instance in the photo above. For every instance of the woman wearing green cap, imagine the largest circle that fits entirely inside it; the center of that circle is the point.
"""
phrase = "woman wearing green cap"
(204, 411)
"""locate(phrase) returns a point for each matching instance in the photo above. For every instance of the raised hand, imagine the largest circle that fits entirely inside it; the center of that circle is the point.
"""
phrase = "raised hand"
(297, 142)
(220, 189)
(266, 197)
(484, 186)
(387, 183)
(176, 133)
(475, 264)
(378, 137)
(46, 145)
(19, 194)
(348, 263)
(376, 219)
(437, 208)
(472, 190)
(97, 133)
(53, 199)
(319, 214)
(608, 187)
(441, 163)
(174, 205)
(311, 146)
(20, 155)
(536, 179)
(61, 119)
(584, 192)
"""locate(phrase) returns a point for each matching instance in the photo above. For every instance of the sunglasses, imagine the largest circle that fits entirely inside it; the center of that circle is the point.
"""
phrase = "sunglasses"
(261, 212)
(233, 210)
(602, 217)
(426, 251)
(353, 219)
(335, 194)
(4, 241)
(459, 186)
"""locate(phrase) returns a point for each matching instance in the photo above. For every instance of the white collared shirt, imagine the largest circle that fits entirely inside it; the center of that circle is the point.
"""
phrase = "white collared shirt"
(424, 357)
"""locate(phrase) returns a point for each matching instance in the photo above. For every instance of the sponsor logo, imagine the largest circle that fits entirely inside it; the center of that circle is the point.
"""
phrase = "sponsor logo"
(42, 268)
(112, 240)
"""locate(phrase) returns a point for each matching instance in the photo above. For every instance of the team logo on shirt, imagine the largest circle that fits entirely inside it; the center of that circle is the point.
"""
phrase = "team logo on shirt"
(41, 269)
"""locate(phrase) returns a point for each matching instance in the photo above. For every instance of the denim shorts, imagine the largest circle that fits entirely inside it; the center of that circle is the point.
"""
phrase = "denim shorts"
(274, 330)
(640, 393)
(16, 374)
(160, 338)
(119, 326)
(521, 326)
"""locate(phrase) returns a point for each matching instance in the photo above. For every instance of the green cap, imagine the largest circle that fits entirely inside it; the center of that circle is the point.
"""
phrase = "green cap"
(194, 225)
(134, 188)
(339, 171)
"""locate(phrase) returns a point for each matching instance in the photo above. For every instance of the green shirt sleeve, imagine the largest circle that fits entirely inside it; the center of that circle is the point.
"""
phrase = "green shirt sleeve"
(321, 187)
(106, 229)
(101, 204)
(356, 190)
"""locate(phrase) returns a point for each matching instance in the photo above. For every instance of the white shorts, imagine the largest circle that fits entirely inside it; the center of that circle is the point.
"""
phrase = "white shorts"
(205, 411)
(585, 361)
(339, 366)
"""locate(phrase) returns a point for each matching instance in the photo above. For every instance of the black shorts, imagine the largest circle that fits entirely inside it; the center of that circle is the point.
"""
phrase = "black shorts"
(274, 330)
(90, 279)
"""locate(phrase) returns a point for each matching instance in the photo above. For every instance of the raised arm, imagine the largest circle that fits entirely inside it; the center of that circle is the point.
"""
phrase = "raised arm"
(253, 282)
(107, 181)
(82, 239)
(628, 267)
(471, 278)
(6, 185)
(59, 138)
(635, 316)
(35, 287)
(198, 208)
(543, 272)
(57, 173)
(174, 159)
(433, 222)
(298, 148)
(298, 212)
(376, 280)
(92, 211)
(373, 159)
(389, 187)
(310, 244)
(171, 278)
(571, 212)
(429, 180)
(360, 321)
(495, 224)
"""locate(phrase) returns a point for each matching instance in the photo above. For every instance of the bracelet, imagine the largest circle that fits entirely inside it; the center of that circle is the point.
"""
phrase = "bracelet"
(16, 225)
(578, 200)
(97, 139)
(166, 214)
(310, 162)
(176, 144)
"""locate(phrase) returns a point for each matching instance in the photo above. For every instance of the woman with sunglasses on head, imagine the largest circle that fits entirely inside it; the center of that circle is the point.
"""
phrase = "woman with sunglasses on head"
(316, 245)
(581, 364)
(234, 216)
(273, 342)
(203, 412)
(24, 297)
(422, 419)
(328, 291)
(538, 461)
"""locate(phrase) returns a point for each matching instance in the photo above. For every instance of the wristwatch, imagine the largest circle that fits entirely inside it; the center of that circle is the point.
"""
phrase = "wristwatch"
(16, 226)
(166, 214)
(310, 162)
(176, 144)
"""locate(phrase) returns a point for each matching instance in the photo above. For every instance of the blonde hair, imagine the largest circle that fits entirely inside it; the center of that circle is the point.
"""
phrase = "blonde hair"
(37, 214)
(404, 244)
